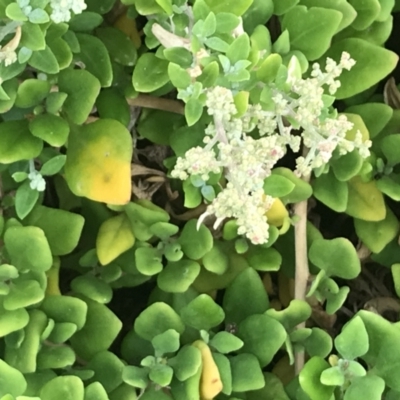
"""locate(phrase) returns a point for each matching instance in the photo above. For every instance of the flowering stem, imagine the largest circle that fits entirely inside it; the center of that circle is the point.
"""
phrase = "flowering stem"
(302, 271)
(157, 103)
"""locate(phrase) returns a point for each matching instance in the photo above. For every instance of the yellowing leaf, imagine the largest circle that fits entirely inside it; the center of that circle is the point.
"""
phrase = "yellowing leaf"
(365, 200)
(114, 238)
(98, 162)
(359, 125)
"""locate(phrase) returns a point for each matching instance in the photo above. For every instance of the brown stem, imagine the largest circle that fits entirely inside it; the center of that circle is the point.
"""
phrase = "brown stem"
(302, 272)
(157, 103)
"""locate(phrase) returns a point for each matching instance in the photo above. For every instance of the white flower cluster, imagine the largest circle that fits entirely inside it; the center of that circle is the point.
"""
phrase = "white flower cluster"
(248, 161)
(61, 9)
(37, 181)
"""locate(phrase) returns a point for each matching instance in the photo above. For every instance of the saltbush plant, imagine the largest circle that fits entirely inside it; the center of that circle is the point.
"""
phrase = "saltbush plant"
(158, 163)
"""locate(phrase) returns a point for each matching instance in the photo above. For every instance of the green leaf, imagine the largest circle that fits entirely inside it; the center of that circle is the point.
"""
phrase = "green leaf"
(216, 260)
(269, 69)
(166, 342)
(176, 277)
(186, 362)
(54, 102)
(283, 6)
(209, 75)
(96, 391)
(44, 61)
(367, 387)
(50, 128)
(135, 376)
(239, 49)
(301, 191)
(12, 382)
(107, 369)
(22, 242)
(25, 199)
(150, 73)
(156, 319)
(62, 228)
(82, 89)
(114, 238)
(259, 12)
(119, 45)
(8, 272)
(12, 321)
(179, 55)
(17, 143)
(333, 376)
(347, 166)
(161, 375)
(247, 285)
(237, 7)
(225, 372)
(365, 200)
(298, 311)
(62, 52)
(353, 341)
(311, 30)
(246, 373)
(10, 88)
(180, 78)
(373, 63)
(66, 387)
(193, 111)
(39, 16)
(14, 12)
(225, 342)
(101, 329)
(202, 313)
(367, 12)
(55, 357)
(95, 57)
(376, 235)
(349, 14)
(23, 294)
(32, 37)
(388, 147)
(148, 261)
(112, 104)
(273, 389)
(93, 288)
(264, 259)
(309, 379)
(263, 336)
(195, 242)
(65, 309)
(31, 92)
(53, 166)
(331, 192)
(85, 22)
(337, 257)
(158, 126)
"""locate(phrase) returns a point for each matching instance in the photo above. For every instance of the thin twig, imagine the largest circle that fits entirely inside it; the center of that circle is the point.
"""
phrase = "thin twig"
(302, 271)
(158, 103)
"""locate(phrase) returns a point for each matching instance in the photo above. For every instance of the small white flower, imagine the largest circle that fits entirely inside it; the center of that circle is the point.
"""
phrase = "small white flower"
(62, 9)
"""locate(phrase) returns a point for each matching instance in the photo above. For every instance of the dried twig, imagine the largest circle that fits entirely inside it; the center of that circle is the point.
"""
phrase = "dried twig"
(157, 103)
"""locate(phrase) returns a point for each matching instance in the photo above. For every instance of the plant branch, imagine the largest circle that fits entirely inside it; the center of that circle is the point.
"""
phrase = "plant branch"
(302, 271)
(158, 103)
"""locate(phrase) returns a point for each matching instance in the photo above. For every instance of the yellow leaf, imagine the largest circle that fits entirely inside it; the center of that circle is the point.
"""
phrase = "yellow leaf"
(359, 125)
(365, 200)
(128, 26)
(98, 162)
(114, 238)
